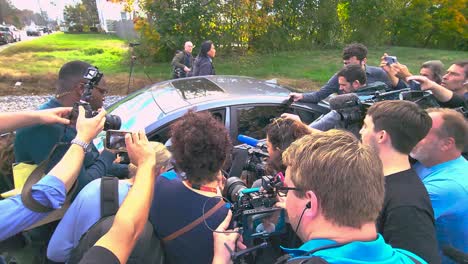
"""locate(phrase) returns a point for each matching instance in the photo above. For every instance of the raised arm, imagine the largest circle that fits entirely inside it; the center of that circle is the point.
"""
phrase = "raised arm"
(132, 216)
(69, 166)
(441, 93)
(15, 120)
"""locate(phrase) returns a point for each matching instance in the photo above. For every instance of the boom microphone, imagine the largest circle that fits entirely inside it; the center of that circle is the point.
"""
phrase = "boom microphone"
(343, 101)
(248, 140)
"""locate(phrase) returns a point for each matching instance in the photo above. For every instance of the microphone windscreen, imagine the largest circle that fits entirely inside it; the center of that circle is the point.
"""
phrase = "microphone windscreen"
(343, 101)
(247, 140)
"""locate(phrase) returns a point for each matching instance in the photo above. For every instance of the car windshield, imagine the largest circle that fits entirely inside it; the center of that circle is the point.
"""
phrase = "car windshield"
(180, 93)
(136, 112)
(4, 29)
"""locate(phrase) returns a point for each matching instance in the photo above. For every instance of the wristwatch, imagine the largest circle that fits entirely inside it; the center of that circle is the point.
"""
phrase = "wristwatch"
(86, 146)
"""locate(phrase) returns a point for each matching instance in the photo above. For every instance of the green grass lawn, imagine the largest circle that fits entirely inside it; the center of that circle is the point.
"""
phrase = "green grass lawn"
(37, 62)
(48, 53)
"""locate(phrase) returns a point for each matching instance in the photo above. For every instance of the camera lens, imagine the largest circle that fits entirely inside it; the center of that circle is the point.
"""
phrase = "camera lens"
(112, 122)
(232, 188)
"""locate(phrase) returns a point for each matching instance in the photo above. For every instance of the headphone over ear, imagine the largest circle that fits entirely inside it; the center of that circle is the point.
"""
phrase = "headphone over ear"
(308, 205)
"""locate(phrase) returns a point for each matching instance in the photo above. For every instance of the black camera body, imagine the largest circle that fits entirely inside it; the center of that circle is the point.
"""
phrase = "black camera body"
(354, 111)
(93, 77)
(253, 208)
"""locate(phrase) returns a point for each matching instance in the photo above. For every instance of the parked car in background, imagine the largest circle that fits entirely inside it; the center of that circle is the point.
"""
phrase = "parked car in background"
(245, 105)
(33, 31)
(6, 36)
(16, 33)
(46, 30)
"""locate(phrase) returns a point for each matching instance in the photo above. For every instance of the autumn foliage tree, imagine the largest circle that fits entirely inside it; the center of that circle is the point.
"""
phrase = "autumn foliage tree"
(271, 25)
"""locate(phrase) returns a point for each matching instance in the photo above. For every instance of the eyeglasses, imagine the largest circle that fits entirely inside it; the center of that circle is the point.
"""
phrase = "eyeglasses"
(102, 90)
(282, 191)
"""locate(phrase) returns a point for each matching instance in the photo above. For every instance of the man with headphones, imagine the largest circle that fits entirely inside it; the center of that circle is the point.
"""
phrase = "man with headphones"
(335, 191)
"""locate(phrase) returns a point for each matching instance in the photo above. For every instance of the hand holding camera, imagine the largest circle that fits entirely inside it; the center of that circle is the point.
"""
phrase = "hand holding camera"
(139, 149)
(88, 128)
(224, 239)
(54, 115)
(94, 77)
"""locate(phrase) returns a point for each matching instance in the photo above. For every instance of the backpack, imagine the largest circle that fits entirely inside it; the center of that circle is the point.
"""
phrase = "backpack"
(148, 248)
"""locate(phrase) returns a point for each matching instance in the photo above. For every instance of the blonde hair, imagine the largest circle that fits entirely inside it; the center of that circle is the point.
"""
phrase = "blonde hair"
(162, 155)
(345, 175)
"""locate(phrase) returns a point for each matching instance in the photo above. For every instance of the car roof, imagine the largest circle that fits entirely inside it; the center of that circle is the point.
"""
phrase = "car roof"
(179, 93)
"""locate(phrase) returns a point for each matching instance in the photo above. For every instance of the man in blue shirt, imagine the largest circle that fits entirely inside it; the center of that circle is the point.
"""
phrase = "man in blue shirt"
(51, 190)
(34, 143)
(85, 210)
(334, 189)
(443, 171)
(355, 53)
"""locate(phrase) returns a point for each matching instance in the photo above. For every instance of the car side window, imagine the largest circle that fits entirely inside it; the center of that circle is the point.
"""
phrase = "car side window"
(252, 120)
(163, 133)
(307, 117)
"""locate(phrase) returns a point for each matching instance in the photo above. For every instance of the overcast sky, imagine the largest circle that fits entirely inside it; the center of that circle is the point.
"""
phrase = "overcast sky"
(54, 8)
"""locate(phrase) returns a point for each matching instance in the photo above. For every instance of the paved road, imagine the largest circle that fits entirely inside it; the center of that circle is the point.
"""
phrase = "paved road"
(24, 37)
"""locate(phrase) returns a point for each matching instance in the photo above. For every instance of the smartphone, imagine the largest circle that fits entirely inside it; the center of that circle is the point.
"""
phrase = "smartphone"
(391, 60)
(262, 223)
(115, 140)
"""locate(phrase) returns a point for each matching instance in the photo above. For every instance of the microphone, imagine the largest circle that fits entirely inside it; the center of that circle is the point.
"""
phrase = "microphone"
(248, 140)
(343, 101)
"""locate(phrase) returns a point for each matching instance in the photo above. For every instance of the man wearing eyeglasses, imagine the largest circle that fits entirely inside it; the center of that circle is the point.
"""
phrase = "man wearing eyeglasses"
(336, 191)
(33, 144)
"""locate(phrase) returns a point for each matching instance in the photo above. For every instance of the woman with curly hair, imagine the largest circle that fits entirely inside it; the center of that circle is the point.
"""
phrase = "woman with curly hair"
(183, 201)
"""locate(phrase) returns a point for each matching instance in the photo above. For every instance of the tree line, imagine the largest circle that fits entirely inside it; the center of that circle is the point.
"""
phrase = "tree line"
(276, 25)
(19, 18)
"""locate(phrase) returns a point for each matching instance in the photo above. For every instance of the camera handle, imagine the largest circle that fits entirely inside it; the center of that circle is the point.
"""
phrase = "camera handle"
(235, 255)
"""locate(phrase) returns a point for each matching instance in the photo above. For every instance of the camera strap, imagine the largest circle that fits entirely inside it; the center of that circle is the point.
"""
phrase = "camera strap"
(193, 224)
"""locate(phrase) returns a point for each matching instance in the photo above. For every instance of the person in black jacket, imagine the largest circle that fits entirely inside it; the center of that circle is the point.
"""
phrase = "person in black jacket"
(203, 64)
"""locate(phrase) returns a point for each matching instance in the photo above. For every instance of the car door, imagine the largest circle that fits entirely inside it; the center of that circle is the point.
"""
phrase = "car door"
(251, 120)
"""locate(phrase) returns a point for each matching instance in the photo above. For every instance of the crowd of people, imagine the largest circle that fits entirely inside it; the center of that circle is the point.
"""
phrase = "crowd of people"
(393, 191)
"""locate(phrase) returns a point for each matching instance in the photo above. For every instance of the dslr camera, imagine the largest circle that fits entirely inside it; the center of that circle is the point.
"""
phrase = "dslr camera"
(93, 77)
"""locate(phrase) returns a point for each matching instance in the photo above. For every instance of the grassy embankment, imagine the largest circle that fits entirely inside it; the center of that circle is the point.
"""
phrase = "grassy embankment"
(37, 62)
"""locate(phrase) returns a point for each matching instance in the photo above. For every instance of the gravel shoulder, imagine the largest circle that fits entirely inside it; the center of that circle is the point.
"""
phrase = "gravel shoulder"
(31, 102)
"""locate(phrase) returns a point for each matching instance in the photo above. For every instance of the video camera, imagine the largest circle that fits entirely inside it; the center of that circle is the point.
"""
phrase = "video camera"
(253, 208)
(249, 157)
(93, 77)
(353, 109)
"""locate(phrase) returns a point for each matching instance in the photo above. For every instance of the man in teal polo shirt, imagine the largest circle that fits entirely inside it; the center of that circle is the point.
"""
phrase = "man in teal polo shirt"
(334, 188)
(34, 143)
